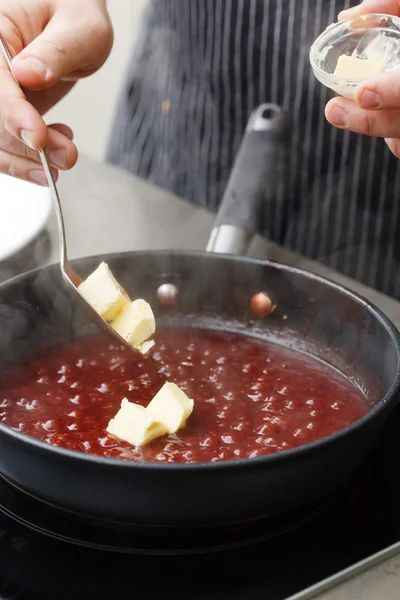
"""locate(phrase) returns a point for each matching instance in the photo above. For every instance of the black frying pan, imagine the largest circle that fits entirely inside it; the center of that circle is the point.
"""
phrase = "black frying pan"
(313, 314)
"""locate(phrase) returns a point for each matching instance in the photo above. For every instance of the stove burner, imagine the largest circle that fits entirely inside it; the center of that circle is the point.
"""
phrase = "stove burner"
(94, 534)
(296, 550)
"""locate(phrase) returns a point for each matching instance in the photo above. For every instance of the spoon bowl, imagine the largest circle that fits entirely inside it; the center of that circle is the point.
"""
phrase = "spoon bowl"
(71, 279)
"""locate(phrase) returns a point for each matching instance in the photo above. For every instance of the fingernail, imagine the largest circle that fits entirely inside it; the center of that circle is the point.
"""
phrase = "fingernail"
(338, 117)
(58, 157)
(344, 14)
(38, 176)
(349, 12)
(370, 99)
(28, 137)
(35, 64)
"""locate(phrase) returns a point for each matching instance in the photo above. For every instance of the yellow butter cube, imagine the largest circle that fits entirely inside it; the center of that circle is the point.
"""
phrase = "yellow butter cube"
(104, 293)
(135, 424)
(171, 406)
(135, 323)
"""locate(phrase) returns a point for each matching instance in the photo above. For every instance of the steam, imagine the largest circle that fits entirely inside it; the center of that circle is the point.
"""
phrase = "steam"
(35, 255)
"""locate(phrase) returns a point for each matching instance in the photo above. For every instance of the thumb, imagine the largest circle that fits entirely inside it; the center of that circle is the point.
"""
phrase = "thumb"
(387, 7)
(59, 54)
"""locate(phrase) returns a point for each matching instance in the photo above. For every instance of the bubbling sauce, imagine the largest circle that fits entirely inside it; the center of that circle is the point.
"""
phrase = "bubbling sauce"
(251, 397)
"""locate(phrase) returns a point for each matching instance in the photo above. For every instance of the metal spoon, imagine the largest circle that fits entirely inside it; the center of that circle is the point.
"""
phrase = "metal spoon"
(70, 277)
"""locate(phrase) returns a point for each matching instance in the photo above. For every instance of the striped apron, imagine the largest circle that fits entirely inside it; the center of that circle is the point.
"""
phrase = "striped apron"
(199, 69)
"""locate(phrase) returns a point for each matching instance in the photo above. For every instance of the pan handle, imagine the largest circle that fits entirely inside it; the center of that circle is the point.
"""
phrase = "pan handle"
(251, 183)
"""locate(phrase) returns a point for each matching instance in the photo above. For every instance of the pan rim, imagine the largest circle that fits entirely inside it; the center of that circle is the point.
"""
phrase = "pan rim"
(392, 396)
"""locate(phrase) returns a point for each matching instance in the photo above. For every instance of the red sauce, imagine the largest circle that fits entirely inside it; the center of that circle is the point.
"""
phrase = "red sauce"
(251, 397)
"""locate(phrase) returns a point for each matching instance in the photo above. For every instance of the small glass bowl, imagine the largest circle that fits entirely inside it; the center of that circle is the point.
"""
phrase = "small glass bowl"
(364, 36)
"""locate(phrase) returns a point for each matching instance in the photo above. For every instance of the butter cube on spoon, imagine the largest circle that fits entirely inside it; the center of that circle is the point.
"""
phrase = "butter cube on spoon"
(136, 324)
(104, 293)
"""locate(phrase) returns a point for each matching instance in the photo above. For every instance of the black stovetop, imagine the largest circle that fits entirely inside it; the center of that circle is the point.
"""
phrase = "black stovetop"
(359, 520)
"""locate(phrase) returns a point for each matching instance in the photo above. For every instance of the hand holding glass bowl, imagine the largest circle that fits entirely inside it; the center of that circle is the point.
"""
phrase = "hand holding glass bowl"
(369, 106)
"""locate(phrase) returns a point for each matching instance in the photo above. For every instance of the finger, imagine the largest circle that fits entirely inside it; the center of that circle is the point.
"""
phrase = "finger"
(394, 145)
(345, 114)
(62, 153)
(64, 129)
(23, 168)
(387, 7)
(45, 99)
(17, 115)
(60, 150)
(380, 92)
(70, 43)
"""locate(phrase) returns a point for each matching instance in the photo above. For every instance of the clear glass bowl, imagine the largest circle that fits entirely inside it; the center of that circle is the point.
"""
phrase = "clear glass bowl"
(373, 37)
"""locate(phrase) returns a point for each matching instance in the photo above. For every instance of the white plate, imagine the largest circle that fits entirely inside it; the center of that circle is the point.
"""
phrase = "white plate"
(24, 211)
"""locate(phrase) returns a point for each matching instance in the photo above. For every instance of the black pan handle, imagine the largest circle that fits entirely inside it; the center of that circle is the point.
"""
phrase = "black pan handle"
(251, 183)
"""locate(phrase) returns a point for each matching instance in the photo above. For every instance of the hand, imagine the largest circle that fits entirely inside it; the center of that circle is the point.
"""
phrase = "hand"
(376, 106)
(53, 43)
